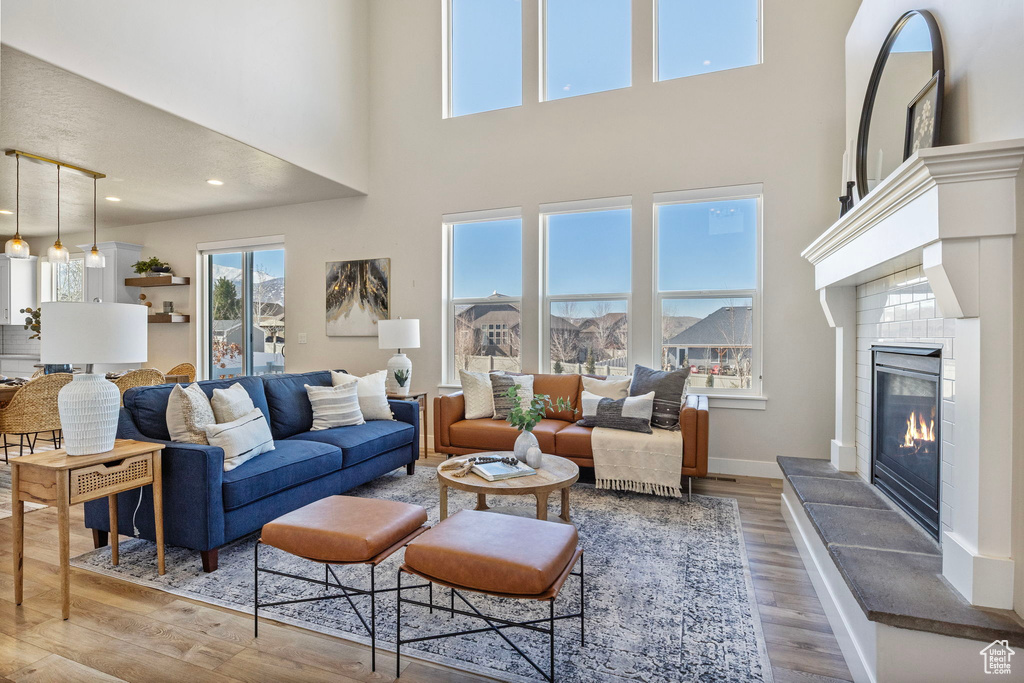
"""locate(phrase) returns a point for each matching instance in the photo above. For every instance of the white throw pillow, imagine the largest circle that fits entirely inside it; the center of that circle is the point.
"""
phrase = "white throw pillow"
(476, 387)
(373, 399)
(334, 406)
(241, 439)
(613, 387)
(231, 403)
(188, 413)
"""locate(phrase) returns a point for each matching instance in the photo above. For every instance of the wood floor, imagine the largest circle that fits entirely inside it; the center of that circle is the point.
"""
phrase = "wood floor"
(121, 631)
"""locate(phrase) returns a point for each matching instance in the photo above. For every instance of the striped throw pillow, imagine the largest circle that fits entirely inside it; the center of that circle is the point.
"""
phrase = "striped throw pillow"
(632, 413)
(241, 439)
(335, 406)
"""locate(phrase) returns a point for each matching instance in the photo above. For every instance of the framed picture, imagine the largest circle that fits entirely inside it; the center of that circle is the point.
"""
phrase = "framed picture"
(923, 117)
(358, 295)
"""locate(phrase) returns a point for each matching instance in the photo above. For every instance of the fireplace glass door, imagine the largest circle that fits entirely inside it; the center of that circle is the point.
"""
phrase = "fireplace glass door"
(906, 431)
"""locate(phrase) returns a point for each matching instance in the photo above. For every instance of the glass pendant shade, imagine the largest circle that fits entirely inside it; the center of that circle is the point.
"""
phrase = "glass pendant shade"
(94, 259)
(58, 253)
(17, 248)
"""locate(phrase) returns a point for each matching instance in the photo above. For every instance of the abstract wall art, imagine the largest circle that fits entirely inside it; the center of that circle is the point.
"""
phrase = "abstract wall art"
(358, 295)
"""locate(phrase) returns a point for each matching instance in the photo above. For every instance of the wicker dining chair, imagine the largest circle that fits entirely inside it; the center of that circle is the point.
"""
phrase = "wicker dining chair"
(33, 411)
(146, 377)
(184, 369)
(39, 373)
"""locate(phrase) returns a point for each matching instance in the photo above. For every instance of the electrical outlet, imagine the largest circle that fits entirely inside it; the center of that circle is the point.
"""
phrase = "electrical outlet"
(302, 337)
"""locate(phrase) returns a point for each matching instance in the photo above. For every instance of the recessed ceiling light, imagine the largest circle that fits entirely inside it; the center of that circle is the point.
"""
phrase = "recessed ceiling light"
(113, 199)
(6, 212)
(214, 181)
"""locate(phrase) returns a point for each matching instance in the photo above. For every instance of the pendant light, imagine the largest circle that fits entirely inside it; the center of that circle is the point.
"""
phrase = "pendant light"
(94, 259)
(58, 253)
(16, 247)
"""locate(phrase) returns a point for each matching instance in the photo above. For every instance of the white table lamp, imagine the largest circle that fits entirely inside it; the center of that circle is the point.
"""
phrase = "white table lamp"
(398, 334)
(88, 333)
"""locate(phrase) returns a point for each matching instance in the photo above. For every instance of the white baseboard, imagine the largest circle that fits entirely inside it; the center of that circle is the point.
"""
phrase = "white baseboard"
(744, 468)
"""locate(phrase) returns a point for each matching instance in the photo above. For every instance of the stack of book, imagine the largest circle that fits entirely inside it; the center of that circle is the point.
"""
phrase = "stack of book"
(496, 471)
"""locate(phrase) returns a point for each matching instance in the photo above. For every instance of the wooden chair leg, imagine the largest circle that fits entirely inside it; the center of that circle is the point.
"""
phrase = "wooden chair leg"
(99, 538)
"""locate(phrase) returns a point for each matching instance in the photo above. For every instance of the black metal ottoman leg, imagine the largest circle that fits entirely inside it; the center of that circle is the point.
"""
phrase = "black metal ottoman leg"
(582, 609)
(373, 620)
(256, 591)
(551, 636)
(398, 628)
(430, 589)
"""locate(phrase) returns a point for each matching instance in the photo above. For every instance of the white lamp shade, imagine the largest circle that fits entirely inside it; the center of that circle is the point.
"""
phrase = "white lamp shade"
(403, 333)
(86, 333)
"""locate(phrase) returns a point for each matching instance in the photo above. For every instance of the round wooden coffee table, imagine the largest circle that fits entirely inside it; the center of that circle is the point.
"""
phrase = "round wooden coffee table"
(554, 474)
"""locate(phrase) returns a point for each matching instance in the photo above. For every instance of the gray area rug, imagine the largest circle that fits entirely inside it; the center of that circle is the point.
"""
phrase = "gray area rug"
(669, 595)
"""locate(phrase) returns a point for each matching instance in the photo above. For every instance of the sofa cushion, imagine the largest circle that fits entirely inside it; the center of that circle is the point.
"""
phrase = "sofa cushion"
(290, 410)
(148, 405)
(574, 441)
(362, 442)
(290, 464)
(491, 435)
(559, 386)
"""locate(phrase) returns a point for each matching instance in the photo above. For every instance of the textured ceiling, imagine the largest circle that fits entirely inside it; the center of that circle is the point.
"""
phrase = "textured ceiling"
(157, 163)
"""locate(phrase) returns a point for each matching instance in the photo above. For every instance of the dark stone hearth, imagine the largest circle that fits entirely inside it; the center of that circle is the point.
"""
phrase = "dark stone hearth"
(891, 566)
(869, 528)
(811, 467)
(838, 492)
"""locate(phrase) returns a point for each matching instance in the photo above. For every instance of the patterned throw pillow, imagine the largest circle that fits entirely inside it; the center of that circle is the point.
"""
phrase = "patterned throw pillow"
(500, 385)
(632, 414)
(373, 398)
(188, 413)
(231, 403)
(334, 406)
(669, 393)
(241, 439)
(612, 387)
(476, 388)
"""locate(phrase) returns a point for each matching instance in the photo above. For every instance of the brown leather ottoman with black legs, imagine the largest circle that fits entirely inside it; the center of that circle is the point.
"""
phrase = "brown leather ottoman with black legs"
(341, 530)
(499, 555)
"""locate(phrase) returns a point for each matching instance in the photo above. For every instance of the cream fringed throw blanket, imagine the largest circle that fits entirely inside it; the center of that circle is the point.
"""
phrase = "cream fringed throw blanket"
(644, 463)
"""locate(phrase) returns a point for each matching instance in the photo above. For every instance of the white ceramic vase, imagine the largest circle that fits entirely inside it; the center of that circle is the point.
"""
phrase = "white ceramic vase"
(398, 363)
(88, 408)
(534, 457)
(524, 442)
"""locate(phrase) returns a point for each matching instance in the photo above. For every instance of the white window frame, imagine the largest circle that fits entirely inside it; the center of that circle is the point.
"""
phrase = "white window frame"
(48, 279)
(580, 206)
(657, 49)
(752, 191)
(449, 372)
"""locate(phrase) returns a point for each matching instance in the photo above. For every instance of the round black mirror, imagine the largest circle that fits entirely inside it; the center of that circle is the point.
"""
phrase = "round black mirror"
(903, 105)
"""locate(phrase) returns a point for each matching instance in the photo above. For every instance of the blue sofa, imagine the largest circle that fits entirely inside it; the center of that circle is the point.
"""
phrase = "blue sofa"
(206, 507)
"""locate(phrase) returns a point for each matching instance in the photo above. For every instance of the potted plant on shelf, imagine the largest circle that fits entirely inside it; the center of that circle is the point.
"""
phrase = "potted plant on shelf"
(525, 418)
(151, 267)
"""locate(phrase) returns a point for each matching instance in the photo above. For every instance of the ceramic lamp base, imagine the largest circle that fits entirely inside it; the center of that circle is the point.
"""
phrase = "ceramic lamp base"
(399, 375)
(88, 414)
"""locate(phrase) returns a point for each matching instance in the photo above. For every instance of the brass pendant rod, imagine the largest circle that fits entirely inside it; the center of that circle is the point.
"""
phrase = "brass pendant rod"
(19, 153)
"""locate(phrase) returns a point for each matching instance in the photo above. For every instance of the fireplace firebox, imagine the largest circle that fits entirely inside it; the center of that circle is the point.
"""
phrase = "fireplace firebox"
(905, 457)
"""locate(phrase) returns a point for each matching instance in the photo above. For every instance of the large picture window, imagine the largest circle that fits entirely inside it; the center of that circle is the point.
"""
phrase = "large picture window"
(485, 292)
(586, 46)
(587, 285)
(697, 36)
(485, 55)
(245, 315)
(708, 275)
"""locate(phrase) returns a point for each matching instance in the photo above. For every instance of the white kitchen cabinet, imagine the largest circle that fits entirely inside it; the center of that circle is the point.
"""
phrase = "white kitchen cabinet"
(18, 278)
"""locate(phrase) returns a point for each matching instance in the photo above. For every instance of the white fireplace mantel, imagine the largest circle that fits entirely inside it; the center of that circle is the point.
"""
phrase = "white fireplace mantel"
(955, 211)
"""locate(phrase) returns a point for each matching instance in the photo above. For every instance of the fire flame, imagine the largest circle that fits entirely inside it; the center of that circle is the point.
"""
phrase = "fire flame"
(918, 431)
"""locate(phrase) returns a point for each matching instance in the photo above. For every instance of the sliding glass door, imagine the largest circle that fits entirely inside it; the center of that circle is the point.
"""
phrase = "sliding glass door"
(245, 313)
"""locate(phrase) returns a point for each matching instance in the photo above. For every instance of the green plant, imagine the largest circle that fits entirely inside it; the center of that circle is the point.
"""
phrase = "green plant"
(558, 367)
(525, 419)
(401, 376)
(142, 267)
(591, 366)
(33, 321)
(711, 379)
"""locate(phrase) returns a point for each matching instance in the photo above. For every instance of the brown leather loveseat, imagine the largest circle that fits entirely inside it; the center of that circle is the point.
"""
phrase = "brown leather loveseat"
(557, 433)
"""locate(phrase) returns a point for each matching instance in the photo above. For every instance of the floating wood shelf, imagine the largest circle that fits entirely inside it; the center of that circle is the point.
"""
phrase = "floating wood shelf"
(156, 281)
(169, 318)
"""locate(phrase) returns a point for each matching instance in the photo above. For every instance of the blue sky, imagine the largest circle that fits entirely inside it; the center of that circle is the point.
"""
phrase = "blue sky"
(707, 245)
(588, 46)
(272, 260)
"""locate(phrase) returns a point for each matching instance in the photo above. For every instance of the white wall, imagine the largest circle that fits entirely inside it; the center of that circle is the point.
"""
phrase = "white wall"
(780, 124)
(291, 83)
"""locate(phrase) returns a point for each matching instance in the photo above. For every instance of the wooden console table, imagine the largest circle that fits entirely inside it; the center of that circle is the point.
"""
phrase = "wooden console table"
(60, 480)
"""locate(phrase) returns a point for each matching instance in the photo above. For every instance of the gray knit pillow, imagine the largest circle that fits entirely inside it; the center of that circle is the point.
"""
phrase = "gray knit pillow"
(669, 393)
(500, 385)
(632, 413)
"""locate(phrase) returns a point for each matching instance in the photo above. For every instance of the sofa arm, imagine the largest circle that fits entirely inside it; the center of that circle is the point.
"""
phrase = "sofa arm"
(408, 412)
(447, 411)
(193, 476)
(693, 420)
